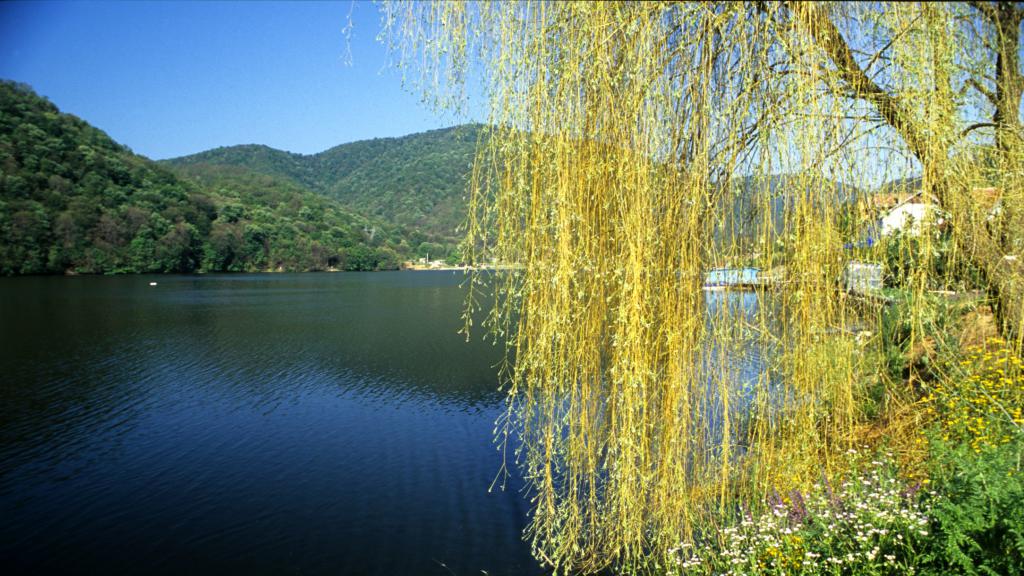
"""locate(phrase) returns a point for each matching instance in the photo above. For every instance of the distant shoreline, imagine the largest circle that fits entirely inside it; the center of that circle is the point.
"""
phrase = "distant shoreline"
(404, 268)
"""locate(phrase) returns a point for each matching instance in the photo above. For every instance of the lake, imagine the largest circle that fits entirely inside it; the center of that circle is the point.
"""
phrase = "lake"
(272, 424)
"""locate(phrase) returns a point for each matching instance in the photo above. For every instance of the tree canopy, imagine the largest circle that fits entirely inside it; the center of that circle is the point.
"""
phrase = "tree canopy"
(618, 129)
(74, 201)
(417, 182)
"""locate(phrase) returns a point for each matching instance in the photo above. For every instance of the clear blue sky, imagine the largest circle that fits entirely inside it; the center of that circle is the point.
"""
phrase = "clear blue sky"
(174, 78)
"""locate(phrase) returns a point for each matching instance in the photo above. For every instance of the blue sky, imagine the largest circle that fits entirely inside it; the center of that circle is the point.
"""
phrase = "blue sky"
(174, 78)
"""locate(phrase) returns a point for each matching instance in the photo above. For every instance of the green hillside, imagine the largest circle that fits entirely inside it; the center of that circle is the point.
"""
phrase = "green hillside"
(417, 181)
(256, 158)
(74, 201)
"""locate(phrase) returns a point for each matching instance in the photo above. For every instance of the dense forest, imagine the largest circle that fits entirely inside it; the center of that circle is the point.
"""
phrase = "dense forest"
(72, 200)
(416, 181)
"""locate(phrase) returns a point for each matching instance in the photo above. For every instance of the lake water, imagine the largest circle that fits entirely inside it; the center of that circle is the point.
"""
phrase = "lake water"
(307, 424)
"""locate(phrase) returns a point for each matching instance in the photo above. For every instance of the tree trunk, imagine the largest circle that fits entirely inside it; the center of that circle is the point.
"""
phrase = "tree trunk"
(1006, 18)
(810, 17)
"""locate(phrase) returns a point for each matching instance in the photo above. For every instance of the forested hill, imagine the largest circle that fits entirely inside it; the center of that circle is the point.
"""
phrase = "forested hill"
(73, 200)
(416, 181)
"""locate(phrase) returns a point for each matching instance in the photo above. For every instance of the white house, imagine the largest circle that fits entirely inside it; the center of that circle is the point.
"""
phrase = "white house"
(910, 214)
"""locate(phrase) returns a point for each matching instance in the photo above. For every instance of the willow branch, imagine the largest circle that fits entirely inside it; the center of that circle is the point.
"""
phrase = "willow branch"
(988, 10)
(976, 126)
(984, 92)
(816, 24)
(890, 43)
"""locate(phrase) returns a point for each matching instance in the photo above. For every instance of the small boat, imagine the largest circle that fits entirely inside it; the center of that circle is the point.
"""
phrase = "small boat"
(152, 283)
(863, 277)
(732, 278)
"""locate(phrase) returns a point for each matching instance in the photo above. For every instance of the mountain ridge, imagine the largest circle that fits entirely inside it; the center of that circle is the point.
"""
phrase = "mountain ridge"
(417, 181)
(73, 200)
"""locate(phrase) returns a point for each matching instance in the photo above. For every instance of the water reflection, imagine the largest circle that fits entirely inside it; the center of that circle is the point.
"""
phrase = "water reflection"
(313, 423)
(741, 345)
(320, 423)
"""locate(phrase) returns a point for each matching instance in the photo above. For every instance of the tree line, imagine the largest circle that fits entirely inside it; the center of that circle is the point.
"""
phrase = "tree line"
(72, 200)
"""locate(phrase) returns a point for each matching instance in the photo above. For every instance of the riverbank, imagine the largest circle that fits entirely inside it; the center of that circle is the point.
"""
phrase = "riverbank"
(438, 265)
(933, 483)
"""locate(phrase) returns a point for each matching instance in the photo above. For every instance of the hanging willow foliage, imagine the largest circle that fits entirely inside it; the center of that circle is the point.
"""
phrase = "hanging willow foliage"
(633, 147)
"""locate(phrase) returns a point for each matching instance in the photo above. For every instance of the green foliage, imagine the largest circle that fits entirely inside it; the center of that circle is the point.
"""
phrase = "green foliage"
(979, 520)
(417, 181)
(908, 254)
(981, 402)
(269, 223)
(975, 449)
(73, 200)
(912, 319)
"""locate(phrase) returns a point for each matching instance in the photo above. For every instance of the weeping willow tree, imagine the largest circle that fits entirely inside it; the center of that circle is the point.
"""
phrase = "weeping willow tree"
(633, 147)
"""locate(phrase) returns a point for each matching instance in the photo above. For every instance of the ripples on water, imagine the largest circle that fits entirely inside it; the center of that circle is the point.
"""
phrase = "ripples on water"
(319, 423)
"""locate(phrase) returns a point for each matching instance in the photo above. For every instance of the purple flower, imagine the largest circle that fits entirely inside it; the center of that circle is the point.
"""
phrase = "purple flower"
(798, 509)
(746, 511)
(909, 493)
(832, 498)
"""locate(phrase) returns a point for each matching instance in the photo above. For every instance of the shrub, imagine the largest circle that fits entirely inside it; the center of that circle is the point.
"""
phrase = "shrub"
(870, 523)
(981, 404)
(976, 446)
(978, 518)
